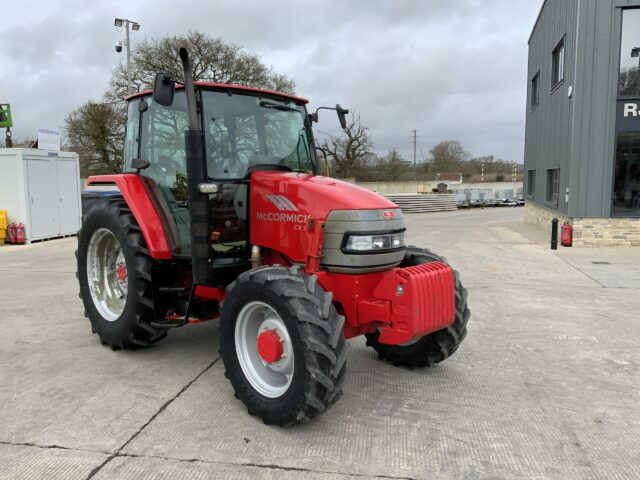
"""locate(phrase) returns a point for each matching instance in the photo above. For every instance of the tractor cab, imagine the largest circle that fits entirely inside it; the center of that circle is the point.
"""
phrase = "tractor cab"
(244, 130)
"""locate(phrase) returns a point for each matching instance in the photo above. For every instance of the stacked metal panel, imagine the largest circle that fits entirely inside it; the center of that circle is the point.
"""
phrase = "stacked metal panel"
(421, 203)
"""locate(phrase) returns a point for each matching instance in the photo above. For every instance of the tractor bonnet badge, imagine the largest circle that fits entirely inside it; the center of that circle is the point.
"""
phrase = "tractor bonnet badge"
(282, 203)
(290, 213)
(387, 215)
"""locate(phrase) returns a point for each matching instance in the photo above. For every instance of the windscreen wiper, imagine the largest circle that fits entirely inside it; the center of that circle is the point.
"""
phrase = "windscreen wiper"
(277, 106)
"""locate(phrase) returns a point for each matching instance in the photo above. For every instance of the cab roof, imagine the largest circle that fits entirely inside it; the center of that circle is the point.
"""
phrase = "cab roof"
(224, 86)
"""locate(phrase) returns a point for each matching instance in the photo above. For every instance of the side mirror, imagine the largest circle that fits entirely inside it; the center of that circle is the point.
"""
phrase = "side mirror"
(342, 115)
(140, 164)
(163, 89)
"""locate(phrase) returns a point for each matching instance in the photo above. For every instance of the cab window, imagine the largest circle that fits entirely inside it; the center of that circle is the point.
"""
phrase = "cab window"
(131, 136)
(245, 130)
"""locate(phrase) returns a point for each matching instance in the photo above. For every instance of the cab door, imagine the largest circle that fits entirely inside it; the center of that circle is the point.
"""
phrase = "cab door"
(157, 133)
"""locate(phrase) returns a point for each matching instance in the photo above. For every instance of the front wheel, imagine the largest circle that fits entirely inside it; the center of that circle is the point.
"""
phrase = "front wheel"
(436, 346)
(282, 344)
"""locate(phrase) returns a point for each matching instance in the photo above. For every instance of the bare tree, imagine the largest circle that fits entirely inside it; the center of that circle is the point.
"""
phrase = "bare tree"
(448, 156)
(392, 166)
(213, 60)
(96, 132)
(349, 151)
(324, 162)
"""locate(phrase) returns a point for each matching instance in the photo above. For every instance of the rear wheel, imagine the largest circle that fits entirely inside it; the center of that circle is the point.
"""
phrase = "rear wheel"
(282, 344)
(114, 272)
(436, 346)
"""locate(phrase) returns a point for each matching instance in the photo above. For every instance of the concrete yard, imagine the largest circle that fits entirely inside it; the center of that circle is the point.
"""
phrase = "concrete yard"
(546, 385)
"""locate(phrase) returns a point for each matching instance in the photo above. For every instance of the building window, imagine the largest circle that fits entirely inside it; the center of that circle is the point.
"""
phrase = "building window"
(628, 81)
(626, 185)
(531, 183)
(557, 64)
(535, 89)
(553, 185)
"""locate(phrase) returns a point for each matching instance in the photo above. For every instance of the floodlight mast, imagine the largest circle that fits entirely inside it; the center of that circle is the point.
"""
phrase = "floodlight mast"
(119, 22)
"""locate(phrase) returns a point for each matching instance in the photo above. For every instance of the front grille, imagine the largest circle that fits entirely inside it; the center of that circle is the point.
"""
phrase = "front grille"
(345, 222)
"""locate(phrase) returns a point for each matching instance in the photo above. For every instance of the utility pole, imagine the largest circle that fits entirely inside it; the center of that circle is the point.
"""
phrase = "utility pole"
(119, 22)
(482, 172)
(415, 143)
(128, 60)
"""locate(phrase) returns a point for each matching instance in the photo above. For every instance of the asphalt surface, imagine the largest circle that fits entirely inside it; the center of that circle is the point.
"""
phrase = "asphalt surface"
(545, 386)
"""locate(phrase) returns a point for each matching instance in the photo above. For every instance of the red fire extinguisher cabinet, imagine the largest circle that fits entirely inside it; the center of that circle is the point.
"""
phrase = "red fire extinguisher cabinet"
(566, 235)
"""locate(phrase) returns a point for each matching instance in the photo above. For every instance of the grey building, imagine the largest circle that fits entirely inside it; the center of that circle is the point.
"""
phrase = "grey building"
(582, 140)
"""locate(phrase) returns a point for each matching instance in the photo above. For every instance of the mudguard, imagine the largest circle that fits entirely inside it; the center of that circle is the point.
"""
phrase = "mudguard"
(137, 196)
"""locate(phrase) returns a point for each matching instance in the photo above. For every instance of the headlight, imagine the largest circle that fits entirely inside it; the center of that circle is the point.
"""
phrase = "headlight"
(375, 242)
(399, 239)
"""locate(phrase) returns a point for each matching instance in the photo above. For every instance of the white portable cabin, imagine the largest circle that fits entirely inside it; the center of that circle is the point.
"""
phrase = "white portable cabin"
(42, 190)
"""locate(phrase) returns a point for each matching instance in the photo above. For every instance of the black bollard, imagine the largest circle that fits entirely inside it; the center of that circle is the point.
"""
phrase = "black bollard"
(554, 234)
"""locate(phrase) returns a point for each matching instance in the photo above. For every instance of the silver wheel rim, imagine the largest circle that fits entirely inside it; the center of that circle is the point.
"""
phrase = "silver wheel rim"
(269, 379)
(107, 274)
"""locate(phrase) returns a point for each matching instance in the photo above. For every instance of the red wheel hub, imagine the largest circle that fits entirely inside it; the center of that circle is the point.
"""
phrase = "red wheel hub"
(270, 346)
(121, 271)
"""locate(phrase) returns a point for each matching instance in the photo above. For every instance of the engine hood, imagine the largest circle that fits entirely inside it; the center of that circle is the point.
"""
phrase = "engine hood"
(282, 204)
(317, 195)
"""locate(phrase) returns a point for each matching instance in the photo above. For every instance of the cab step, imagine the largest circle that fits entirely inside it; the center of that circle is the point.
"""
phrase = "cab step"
(171, 322)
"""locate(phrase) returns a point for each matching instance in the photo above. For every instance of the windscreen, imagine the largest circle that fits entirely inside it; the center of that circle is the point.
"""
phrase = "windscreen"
(246, 130)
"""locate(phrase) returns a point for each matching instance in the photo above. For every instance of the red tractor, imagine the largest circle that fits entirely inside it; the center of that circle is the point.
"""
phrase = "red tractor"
(222, 216)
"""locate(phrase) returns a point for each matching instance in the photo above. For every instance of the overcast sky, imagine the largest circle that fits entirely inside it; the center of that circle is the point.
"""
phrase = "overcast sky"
(451, 69)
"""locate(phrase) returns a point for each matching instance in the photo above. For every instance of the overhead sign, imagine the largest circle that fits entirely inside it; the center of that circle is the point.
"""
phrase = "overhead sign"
(5, 116)
(48, 140)
(628, 115)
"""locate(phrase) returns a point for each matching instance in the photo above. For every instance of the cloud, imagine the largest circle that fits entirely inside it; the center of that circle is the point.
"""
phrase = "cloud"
(451, 70)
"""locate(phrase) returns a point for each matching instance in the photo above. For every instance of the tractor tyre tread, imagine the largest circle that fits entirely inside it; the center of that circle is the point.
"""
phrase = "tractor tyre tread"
(434, 347)
(319, 329)
(136, 330)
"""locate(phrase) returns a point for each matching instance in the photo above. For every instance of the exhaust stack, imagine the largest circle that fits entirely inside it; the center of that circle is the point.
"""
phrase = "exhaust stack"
(196, 175)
